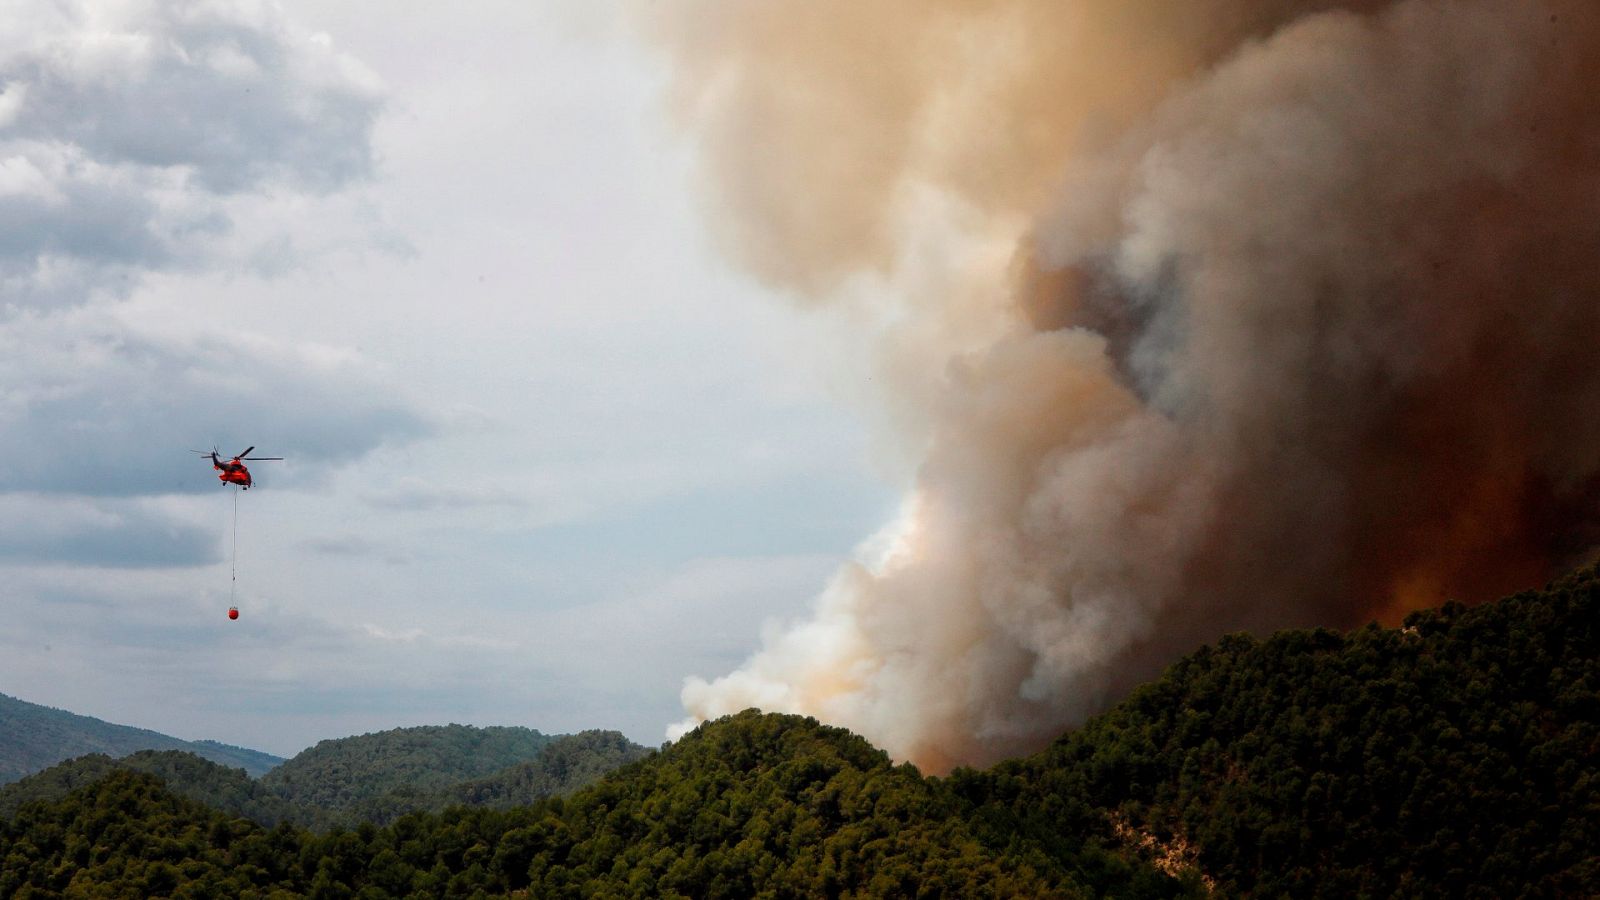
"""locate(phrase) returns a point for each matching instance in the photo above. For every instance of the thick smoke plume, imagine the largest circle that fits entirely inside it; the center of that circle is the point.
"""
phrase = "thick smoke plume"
(1294, 322)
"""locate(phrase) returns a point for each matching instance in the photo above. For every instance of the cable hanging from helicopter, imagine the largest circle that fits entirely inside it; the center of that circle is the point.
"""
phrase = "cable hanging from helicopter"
(234, 471)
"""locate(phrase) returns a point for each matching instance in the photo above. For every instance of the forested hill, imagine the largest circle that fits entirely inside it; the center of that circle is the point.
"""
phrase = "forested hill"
(347, 773)
(34, 737)
(1456, 756)
(747, 805)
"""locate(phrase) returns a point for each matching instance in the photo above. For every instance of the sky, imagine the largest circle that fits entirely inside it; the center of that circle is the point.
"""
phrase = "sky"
(546, 453)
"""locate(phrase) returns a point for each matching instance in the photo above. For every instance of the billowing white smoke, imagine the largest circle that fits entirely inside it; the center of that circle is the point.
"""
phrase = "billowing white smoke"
(1301, 326)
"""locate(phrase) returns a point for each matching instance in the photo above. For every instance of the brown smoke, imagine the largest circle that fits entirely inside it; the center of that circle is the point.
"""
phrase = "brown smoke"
(1298, 325)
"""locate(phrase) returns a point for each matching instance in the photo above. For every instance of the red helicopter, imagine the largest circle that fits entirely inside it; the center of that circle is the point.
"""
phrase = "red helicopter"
(233, 470)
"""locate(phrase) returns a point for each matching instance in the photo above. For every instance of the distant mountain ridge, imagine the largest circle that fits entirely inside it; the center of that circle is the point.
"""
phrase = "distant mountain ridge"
(365, 778)
(34, 737)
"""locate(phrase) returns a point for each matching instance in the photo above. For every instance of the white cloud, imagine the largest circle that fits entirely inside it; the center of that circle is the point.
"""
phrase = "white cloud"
(114, 533)
(21, 178)
(96, 407)
(11, 97)
(410, 493)
(135, 133)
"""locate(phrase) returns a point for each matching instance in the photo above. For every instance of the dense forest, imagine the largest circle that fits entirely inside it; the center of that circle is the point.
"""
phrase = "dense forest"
(33, 737)
(754, 803)
(1455, 756)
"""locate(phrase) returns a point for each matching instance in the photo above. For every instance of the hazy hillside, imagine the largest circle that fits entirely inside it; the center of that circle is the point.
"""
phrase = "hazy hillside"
(564, 764)
(1458, 756)
(345, 773)
(34, 737)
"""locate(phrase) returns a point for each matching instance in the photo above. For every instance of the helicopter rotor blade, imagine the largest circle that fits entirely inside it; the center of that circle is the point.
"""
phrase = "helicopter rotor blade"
(244, 454)
(254, 458)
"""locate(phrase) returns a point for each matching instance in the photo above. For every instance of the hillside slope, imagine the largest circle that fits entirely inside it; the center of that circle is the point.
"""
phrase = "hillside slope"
(1457, 756)
(127, 835)
(34, 737)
